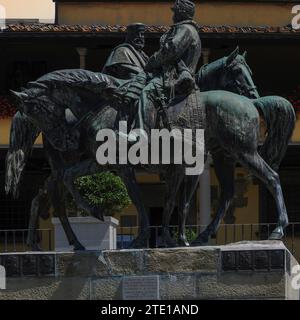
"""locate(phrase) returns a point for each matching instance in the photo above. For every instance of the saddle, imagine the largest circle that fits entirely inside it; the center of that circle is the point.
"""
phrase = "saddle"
(181, 112)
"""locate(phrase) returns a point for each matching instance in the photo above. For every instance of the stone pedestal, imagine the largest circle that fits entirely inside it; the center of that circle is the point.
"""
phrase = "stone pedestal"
(91, 232)
(245, 270)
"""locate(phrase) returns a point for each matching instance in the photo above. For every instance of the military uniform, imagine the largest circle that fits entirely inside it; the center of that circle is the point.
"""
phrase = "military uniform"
(180, 45)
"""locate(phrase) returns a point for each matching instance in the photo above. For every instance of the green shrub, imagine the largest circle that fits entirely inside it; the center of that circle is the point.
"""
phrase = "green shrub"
(104, 190)
(190, 234)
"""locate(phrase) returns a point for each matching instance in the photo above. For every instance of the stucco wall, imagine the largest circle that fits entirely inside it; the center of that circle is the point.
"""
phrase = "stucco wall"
(4, 132)
(207, 13)
(28, 9)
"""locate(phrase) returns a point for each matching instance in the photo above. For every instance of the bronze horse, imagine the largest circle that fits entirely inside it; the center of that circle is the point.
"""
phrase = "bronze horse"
(228, 142)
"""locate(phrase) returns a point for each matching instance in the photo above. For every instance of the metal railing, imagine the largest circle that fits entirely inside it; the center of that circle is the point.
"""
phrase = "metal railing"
(14, 240)
(227, 233)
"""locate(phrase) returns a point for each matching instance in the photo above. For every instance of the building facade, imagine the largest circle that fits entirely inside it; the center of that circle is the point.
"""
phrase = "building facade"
(83, 35)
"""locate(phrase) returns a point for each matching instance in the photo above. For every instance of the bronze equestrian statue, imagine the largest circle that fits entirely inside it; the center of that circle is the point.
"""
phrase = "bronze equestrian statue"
(230, 120)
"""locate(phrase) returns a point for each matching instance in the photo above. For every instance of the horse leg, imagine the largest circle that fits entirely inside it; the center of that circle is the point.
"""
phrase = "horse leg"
(32, 237)
(174, 179)
(258, 167)
(40, 203)
(133, 190)
(37, 202)
(57, 190)
(224, 168)
(188, 189)
(84, 168)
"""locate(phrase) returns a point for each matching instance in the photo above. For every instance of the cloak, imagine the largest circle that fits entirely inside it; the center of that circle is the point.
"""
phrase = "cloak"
(125, 62)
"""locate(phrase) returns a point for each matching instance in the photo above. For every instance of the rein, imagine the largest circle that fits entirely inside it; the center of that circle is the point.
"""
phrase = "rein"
(205, 71)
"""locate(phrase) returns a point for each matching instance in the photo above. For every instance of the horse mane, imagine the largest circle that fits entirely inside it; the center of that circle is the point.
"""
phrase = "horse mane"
(77, 89)
(73, 78)
(208, 74)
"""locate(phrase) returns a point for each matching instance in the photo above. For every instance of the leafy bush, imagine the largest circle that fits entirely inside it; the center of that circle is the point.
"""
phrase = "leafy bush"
(104, 190)
(190, 234)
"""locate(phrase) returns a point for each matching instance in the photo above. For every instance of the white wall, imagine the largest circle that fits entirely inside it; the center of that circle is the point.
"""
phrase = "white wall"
(27, 9)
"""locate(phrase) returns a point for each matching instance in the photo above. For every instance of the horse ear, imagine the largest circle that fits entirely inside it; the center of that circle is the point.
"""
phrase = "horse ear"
(245, 54)
(18, 95)
(18, 98)
(232, 56)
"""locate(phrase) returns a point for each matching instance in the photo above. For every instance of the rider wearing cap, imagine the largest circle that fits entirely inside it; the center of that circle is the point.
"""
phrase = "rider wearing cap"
(176, 61)
(128, 59)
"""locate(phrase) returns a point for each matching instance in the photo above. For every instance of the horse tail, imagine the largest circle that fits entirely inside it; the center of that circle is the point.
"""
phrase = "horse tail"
(22, 137)
(280, 119)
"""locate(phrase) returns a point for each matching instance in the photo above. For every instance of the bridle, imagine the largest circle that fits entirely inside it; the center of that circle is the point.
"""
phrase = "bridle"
(243, 90)
(209, 73)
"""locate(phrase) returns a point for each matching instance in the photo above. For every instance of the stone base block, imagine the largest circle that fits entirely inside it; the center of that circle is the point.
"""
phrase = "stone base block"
(244, 270)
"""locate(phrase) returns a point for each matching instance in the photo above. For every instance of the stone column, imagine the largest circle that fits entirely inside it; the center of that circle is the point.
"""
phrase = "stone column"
(82, 55)
(205, 55)
(204, 184)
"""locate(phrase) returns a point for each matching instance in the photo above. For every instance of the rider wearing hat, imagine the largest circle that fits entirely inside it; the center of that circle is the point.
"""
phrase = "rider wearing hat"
(128, 59)
(176, 61)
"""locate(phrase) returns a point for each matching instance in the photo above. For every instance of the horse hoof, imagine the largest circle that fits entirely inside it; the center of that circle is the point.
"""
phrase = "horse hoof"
(201, 240)
(141, 241)
(183, 243)
(199, 243)
(277, 234)
(138, 244)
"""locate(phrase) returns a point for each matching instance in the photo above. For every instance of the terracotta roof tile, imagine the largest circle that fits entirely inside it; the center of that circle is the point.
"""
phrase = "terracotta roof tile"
(154, 29)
